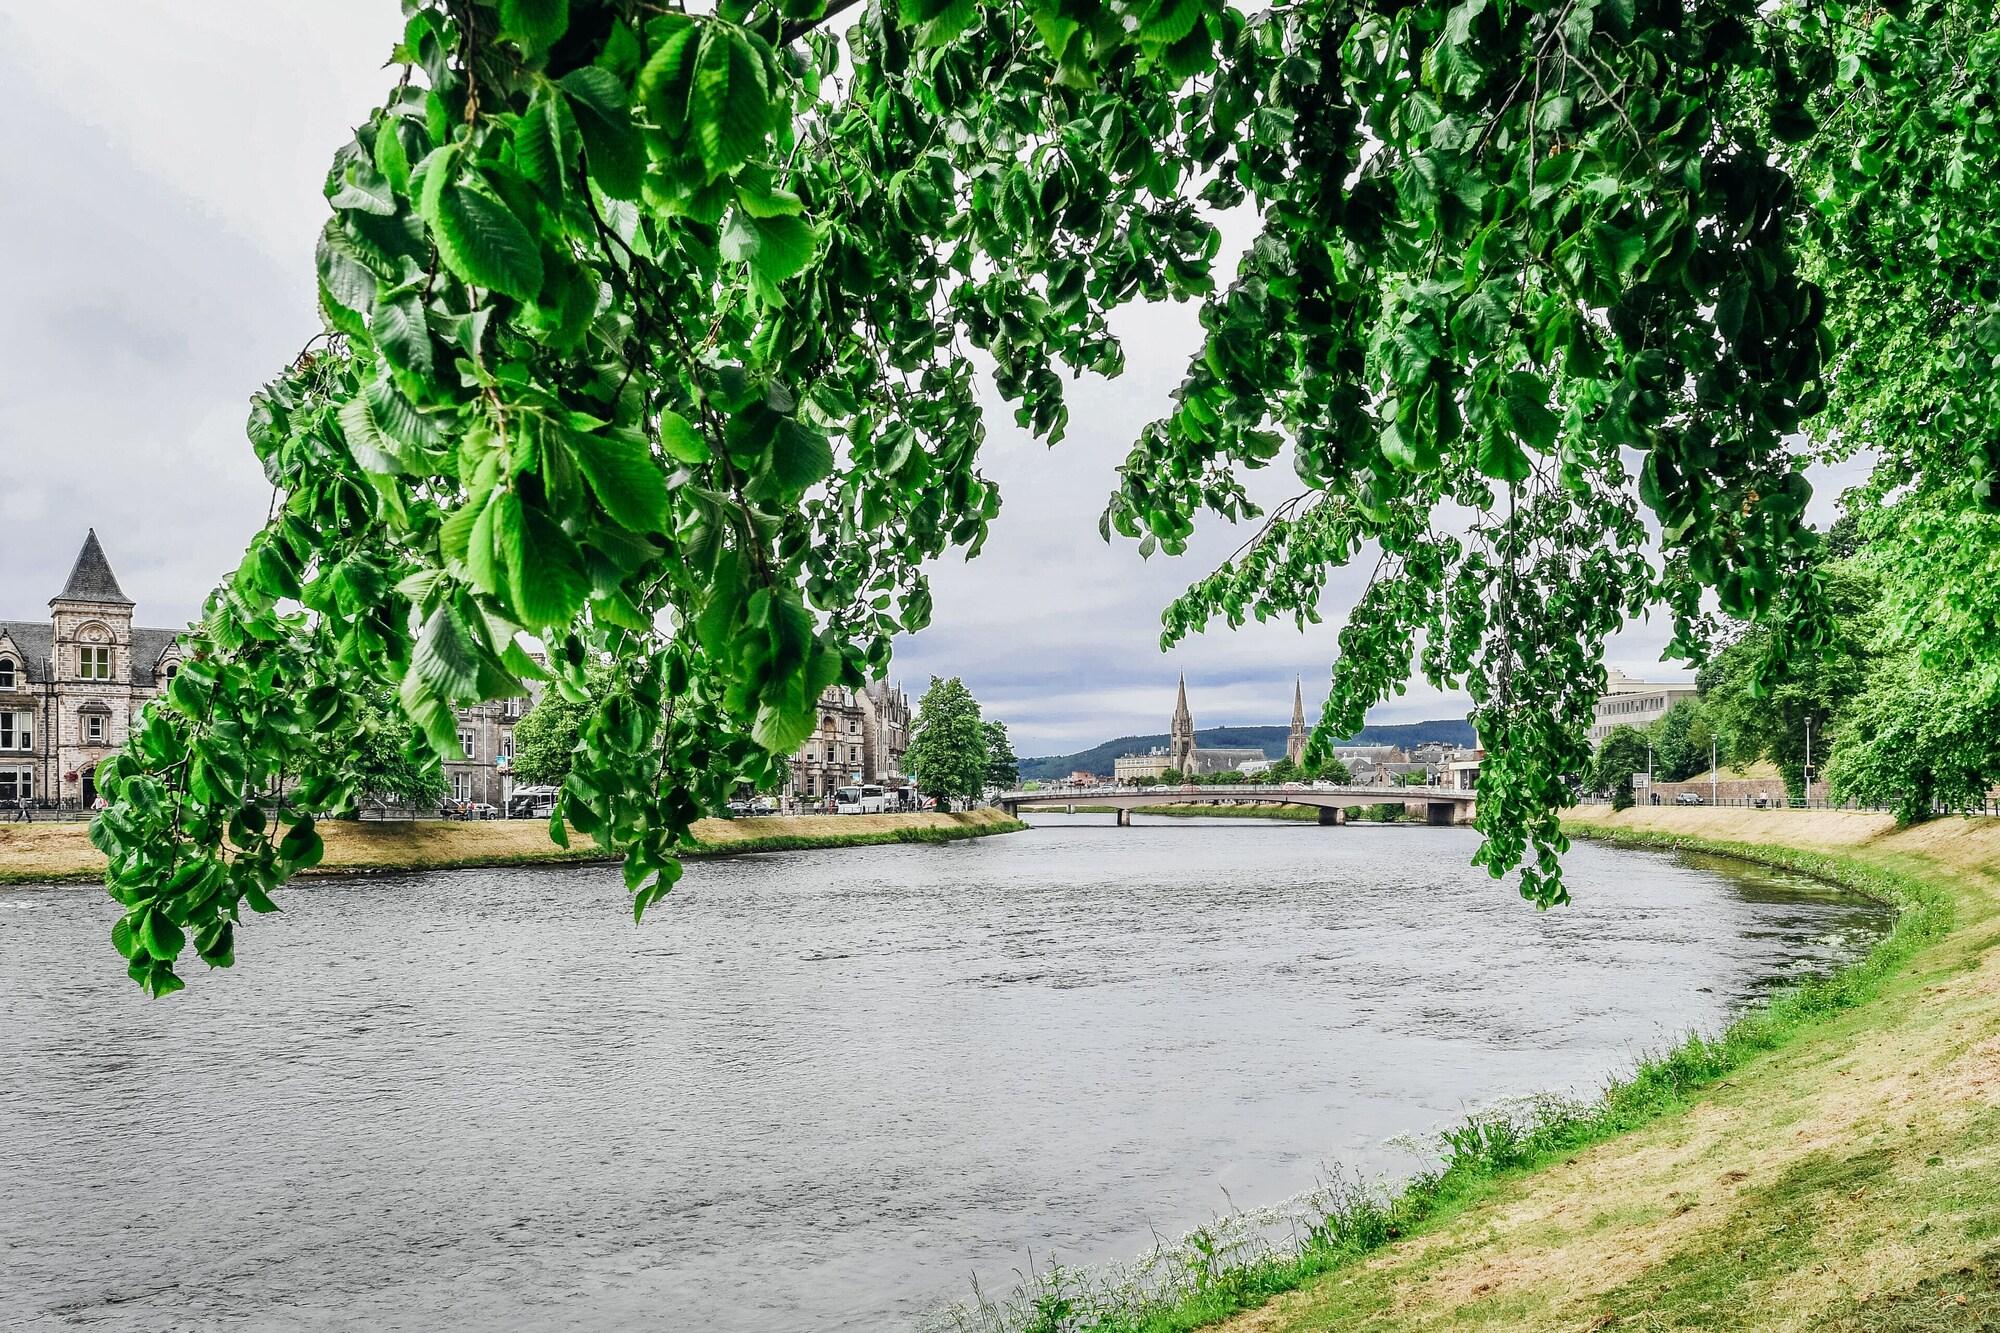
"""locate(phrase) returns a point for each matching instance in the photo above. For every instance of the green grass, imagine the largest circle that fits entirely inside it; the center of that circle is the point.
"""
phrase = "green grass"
(798, 843)
(1304, 814)
(1224, 1270)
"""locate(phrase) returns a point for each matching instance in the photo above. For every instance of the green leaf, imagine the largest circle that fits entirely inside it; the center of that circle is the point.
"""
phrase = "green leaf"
(730, 104)
(784, 246)
(546, 144)
(369, 444)
(614, 153)
(342, 271)
(160, 936)
(535, 25)
(1527, 398)
(445, 657)
(391, 158)
(628, 483)
(800, 456)
(664, 82)
(399, 329)
(546, 571)
(680, 439)
(1499, 455)
(482, 241)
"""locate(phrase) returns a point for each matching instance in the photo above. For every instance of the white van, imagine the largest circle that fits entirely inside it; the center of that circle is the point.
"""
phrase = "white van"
(868, 800)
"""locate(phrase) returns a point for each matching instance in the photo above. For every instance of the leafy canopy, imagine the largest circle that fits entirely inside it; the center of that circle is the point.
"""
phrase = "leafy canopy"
(650, 336)
(948, 755)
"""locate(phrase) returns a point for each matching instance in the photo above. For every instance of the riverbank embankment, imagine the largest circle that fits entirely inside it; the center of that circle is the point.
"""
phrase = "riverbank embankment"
(61, 853)
(1829, 1161)
(1832, 1163)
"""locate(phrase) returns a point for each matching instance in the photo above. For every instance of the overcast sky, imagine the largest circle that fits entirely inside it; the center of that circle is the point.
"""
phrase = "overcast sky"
(164, 167)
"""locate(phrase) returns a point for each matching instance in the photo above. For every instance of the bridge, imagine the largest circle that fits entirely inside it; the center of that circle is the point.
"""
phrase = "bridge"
(1438, 805)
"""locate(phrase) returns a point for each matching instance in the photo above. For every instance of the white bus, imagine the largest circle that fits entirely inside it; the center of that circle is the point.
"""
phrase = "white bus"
(868, 800)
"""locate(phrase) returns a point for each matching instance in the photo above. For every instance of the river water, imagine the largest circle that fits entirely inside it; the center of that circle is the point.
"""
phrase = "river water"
(815, 1091)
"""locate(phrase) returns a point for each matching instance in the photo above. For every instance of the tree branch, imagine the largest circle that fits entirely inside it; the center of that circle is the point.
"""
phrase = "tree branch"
(798, 28)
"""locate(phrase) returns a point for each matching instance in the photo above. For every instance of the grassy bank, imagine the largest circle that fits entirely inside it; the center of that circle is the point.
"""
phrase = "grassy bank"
(1302, 813)
(1831, 1161)
(61, 853)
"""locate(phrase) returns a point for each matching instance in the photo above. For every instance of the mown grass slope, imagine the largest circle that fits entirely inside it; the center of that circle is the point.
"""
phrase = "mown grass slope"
(1848, 1179)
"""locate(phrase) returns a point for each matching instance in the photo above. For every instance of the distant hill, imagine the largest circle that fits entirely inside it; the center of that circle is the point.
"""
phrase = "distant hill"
(1097, 759)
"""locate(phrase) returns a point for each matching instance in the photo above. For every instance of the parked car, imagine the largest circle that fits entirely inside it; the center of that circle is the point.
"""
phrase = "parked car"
(1688, 798)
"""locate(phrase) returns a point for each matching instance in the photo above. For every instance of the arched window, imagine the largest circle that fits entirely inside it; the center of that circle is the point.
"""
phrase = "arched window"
(173, 669)
(7, 678)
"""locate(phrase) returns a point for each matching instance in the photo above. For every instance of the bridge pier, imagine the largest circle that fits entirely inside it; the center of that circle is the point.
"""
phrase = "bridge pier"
(1124, 817)
(1332, 816)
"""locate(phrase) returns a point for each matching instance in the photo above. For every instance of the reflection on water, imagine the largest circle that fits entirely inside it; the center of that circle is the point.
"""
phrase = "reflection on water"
(816, 1090)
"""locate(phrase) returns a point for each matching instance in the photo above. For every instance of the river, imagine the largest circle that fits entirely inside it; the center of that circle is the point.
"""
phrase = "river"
(815, 1091)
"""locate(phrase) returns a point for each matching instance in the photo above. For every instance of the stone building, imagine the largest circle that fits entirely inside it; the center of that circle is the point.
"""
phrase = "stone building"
(861, 738)
(1132, 767)
(486, 735)
(71, 685)
(1185, 757)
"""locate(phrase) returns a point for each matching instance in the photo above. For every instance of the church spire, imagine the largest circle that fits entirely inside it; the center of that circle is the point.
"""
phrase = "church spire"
(91, 579)
(1295, 744)
(1180, 740)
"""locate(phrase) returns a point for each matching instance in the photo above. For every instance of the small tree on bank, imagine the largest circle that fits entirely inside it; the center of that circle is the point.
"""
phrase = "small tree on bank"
(1003, 767)
(1622, 754)
(386, 758)
(947, 754)
(545, 739)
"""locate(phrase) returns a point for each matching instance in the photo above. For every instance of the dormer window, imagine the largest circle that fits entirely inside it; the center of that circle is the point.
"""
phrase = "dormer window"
(172, 669)
(7, 678)
(93, 663)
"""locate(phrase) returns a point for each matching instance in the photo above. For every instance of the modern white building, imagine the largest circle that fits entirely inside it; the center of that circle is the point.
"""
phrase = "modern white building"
(1627, 702)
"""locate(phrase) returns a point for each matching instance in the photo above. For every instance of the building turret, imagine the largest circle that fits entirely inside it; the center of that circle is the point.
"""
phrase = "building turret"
(1180, 740)
(1295, 744)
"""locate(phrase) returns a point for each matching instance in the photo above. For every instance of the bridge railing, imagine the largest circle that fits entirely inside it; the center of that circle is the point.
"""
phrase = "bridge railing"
(1240, 791)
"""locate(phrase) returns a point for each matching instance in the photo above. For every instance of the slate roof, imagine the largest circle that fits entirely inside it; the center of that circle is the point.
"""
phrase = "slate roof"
(35, 642)
(91, 579)
(148, 647)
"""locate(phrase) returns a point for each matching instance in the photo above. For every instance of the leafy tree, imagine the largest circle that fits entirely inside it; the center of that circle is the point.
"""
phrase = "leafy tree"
(1681, 741)
(545, 739)
(1173, 777)
(947, 755)
(1761, 711)
(1282, 770)
(1003, 769)
(385, 759)
(644, 340)
(1329, 769)
(1918, 742)
(1622, 754)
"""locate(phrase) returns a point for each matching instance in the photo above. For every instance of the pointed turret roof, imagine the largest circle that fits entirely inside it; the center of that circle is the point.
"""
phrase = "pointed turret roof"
(1298, 703)
(1180, 704)
(91, 579)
